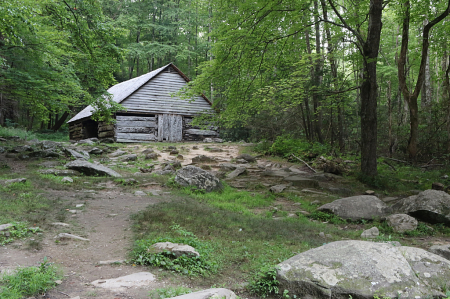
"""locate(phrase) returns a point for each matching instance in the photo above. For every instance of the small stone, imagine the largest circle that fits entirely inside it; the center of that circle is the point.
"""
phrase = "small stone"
(129, 158)
(277, 188)
(59, 224)
(58, 281)
(370, 233)
(5, 226)
(402, 222)
(70, 236)
(74, 211)
(180, 157)
(67, 179)
(155, 192)
(140, 193)
(173, 152)
(13, 181)
(322, 235)
(110, 262)
(151, 156)
(79, 205)
(195, 147)
(369, 192)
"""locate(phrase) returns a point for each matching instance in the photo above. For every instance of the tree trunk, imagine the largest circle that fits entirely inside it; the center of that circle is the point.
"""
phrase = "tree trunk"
(411, 98)
(60, 122)
(369, 91)
(317, 80)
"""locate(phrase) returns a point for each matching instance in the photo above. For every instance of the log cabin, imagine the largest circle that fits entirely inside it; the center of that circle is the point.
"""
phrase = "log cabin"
(153, 111)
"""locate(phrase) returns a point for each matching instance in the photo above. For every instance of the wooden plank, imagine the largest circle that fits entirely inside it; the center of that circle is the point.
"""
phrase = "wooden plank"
(166, 128)
(179, 128)
(147, 124)
(135, 118)
(106, 128)
(160, 127)
(136, 136)
(135, 130)
(202, 132)
(106, 134)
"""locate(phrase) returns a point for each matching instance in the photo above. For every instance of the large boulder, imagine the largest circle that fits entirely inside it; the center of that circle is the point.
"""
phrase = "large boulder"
(430, 205)
(91, 169)
(196, 177)
(363, 269)
(357, 207)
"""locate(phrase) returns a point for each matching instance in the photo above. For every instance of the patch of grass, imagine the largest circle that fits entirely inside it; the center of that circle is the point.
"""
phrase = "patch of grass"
(326, 217)
(53, 136)
(22, 206)
(29, 281)
(169, 292)
(189, 265)
(22, 133)
(232, 199)
(242, 243)
(265, 282)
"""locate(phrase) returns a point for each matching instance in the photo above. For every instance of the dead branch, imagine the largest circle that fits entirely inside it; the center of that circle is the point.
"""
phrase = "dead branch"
(304, 162)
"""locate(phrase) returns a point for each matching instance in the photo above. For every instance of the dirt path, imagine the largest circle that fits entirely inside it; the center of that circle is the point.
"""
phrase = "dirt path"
(104, 219)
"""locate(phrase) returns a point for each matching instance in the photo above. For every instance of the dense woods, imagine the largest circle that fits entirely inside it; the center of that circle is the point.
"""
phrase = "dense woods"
(355, 76)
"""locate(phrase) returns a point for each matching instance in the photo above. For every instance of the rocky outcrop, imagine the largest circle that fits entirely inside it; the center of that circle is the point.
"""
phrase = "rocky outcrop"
(363, 269)
(401, 222)
(357, 207)
(209, 294)
(196, 177)
(430, 205)
(91, 169)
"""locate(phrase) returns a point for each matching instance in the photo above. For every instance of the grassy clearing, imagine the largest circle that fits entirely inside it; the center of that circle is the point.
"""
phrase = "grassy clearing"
(29, 281)
(11, 132)
(241, 243)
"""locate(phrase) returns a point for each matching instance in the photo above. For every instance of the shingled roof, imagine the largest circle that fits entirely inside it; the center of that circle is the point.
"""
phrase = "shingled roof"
(124, 89)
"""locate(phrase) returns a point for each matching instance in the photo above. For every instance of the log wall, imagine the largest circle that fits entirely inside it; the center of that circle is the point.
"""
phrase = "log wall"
(106, 130)
(194, 133)
(76, 131)
(136, 128)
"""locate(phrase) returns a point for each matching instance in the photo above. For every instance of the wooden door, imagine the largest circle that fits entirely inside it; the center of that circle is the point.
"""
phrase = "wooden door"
(170, 127)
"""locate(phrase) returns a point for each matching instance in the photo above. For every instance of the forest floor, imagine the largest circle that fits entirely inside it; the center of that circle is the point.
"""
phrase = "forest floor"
(102, 210)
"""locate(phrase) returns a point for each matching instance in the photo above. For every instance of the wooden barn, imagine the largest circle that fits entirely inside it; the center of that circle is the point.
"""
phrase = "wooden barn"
(152, 113)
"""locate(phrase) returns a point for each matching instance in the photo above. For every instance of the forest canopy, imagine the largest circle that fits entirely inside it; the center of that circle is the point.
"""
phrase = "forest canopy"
(357, 76)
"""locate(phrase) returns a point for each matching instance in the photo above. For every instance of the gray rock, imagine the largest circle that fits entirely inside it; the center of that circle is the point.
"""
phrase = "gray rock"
(76, 155)
(111, 262)
(215, 150)
(13, 181)
(441, 250)
(91, 169)
(147, 151)
(140, 193)
(209, 294)
(177, 249)
(326, 177)
(5, 226)
(129, 158)
(363, 269)
(202, 159)
(430, 205)
(357, 207)
(302, 182)
(59, 172)
(60, 224)
(21, 149)
(47, 144)
(196, 177)
(370, 233)
(247, 157)
(89, 141)
(401, 222)
(123, 283)
(117, 153)
(70, 236)
(151, 156)
(241, 161)
(238, 171)
(46, 153)
(96, 151)
(228, 166)
(67, 179)
(277, 188)
(107, 140)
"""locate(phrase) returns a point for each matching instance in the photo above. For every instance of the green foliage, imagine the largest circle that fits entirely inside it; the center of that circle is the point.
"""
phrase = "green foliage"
(30, 281)
(188, 265)
(19, 230)
(285, 145)
(169, 292)
(265, 282)
(10, 132)
(326, 217)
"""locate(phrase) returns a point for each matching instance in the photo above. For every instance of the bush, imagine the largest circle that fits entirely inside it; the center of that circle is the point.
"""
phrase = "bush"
(28, 281)
(265, 282)
(284, 146)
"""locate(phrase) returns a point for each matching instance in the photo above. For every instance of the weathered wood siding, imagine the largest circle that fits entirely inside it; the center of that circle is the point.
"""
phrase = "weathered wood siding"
(155, 97)
(170, 127)
(105, 130)
(136, 128)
